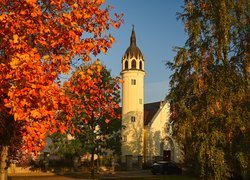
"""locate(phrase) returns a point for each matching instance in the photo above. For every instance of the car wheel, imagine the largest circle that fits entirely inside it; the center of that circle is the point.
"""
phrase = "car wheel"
(154, 173)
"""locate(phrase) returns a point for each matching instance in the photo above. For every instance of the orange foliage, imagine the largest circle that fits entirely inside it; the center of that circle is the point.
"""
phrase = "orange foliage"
(38, 40)
(94, 94)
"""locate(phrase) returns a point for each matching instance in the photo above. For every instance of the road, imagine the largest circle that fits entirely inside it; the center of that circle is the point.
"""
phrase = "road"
(126, 175)
(142, 174)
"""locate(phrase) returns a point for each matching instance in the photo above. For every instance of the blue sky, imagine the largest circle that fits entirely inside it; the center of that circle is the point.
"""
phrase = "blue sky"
(157, 32)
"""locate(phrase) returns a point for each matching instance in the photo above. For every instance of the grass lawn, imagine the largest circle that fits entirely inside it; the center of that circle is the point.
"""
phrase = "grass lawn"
(161, 177)
(175, 177)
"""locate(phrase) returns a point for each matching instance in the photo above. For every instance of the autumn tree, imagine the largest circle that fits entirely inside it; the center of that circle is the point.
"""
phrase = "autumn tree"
(209, 92)
(95, 96)
(38, 40)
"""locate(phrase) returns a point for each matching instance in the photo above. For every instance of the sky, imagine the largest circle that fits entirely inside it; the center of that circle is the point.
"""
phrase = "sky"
(157, 32)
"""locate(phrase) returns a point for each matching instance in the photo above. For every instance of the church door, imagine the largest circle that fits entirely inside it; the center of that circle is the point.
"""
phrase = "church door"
(167, 155)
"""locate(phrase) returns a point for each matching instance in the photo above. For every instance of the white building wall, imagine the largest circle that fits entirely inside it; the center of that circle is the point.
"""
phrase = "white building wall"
(157, 130)
(160, 135)
(132, 106)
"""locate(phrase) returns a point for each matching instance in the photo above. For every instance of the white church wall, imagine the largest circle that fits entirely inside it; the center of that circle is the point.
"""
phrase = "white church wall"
(132, 106)
(157, 130)
(160, 135)
(132, 135)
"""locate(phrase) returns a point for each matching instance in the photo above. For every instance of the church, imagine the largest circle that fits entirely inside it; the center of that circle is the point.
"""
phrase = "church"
(146, 128)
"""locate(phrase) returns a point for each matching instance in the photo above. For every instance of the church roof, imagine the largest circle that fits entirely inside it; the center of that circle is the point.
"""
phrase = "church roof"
(133, 50)
(150, 110)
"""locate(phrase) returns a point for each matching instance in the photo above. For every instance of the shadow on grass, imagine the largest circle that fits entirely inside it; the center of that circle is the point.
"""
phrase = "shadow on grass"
(81, 176)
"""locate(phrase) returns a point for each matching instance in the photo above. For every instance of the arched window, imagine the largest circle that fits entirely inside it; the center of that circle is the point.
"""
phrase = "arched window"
(140, 65)
(126, 64)
(133, 64)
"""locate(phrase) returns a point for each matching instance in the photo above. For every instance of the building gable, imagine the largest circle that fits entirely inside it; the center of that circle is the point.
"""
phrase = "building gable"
(150, 110)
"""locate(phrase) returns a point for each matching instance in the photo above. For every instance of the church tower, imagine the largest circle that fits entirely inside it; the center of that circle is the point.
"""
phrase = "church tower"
(132, 100)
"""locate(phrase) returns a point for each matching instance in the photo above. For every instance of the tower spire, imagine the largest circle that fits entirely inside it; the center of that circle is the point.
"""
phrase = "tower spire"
(133, 38)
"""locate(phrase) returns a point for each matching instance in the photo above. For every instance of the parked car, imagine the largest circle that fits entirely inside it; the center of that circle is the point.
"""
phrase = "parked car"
(165, 167)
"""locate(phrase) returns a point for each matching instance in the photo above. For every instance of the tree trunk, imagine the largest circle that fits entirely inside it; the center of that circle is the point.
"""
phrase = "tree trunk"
(92, 165)
(3, 164)
(247, 67)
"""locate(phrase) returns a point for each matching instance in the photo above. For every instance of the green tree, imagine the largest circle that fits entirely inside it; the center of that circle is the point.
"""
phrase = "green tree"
(209, 91)
(66, 146)
(112, 133)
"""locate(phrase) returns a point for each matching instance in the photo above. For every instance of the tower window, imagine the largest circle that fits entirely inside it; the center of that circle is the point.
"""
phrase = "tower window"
(140, 101)
(140, 65)
(132, 118)
(124, 138)
(126, 64)
(133, 64)
(133, 81)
